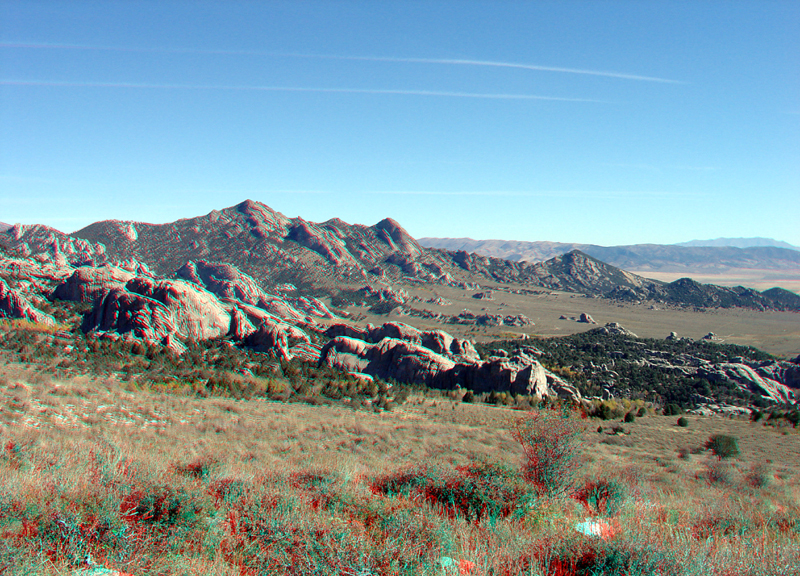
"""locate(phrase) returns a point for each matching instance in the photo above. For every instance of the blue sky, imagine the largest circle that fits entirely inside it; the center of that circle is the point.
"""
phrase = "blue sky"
(598, 122)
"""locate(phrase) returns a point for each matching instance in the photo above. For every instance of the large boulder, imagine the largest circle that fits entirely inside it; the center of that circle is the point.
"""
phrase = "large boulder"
(158, 311)
(132, 315)
(88, 283)
(197, 313)
(390, 358)
(412, 363)
(437, 341)
(396, 330)
(443, 343)
(231, 284)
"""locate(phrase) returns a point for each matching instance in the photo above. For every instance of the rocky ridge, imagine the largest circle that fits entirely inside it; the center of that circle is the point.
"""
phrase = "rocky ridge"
(275, 250)
(205, 300)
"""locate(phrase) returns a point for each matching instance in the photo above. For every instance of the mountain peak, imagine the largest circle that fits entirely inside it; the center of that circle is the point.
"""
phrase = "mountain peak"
(398, 236)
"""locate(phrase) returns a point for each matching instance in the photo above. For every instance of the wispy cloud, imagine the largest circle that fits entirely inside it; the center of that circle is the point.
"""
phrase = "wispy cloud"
(375, 91)
(658, 168)
(439, 61)
(493, 64)
(540, 193)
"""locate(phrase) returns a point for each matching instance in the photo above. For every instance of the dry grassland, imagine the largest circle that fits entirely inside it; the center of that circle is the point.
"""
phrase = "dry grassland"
(685, 512)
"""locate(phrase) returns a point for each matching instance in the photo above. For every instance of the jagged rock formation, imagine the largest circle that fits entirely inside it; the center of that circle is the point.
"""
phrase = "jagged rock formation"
(13, 304)
(586, 319)
(169, 311)
(87, 284)
(778, 381)
(414, 363)
(159, 311)
(48, 245)
(437, 341)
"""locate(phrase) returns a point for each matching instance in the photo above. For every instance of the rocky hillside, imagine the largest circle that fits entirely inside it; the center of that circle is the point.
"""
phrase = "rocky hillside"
(611, 361)
(203, 301)
(694, 259)
(4, 226)
(275, 250)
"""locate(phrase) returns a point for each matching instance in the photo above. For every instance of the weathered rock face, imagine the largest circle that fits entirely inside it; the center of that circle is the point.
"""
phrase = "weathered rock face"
(270, 337)
(224, 280)
(778, 381)
(13, 304)
(413, 363)
(87, 284)
(586, 319)
(158, 310)
(231, 284)
(131, 314)
(390, 358)
(435, 340)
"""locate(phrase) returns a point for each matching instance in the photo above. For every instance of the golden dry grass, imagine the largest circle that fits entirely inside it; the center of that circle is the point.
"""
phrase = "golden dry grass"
(674, 508)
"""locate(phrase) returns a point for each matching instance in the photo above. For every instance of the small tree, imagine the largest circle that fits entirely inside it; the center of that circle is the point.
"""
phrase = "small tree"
(550, 442)
(723, 446)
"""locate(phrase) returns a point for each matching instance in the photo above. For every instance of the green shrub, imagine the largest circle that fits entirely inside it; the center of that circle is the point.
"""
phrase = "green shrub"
(603, 496)
(642, 412)
(723, 446)
(550, 442)
(630, 417)
(672, 410)
(475, 491)
(469, 397)
(683, 422)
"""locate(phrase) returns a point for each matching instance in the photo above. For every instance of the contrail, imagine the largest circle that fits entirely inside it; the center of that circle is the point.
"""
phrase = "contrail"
(541, 193)
(490, 63)
(443, 61)
(70, 84)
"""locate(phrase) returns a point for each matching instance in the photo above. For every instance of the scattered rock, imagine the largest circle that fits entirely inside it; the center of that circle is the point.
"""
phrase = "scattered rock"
(586, 319)
(488, 295)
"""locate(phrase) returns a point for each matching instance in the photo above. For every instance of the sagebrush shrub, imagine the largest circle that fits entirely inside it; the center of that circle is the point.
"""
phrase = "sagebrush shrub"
(683, 422)
(550, 442)
(723, 446)
(604, 496)
(475, 491)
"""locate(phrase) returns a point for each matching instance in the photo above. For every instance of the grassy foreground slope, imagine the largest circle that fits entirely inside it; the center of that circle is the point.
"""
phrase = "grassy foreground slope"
(169, 482)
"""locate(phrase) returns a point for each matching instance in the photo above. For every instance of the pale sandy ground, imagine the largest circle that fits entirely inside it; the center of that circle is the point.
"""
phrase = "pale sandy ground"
(774, 332)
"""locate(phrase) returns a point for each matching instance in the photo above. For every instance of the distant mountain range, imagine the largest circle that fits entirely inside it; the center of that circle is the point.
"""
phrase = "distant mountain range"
(642, 257)
(330, 256)
(740, 243)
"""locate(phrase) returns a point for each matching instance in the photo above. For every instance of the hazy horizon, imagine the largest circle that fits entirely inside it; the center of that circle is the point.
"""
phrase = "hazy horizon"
(586, 122)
